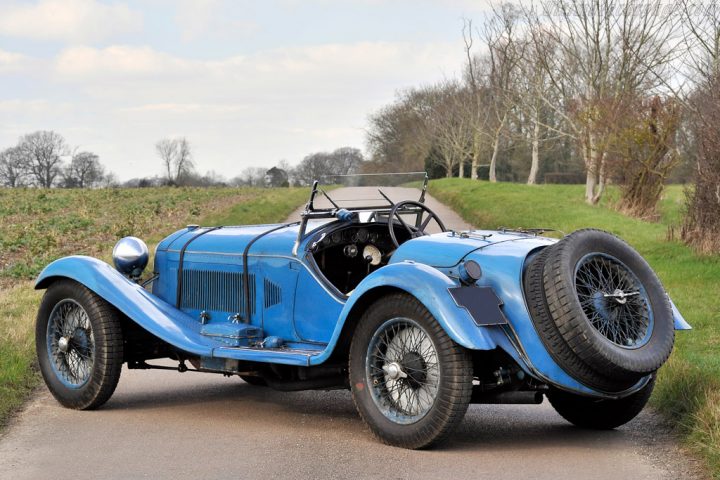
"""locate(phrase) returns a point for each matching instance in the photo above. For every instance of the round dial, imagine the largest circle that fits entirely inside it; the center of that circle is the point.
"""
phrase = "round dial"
(373, 253)
(362, 235)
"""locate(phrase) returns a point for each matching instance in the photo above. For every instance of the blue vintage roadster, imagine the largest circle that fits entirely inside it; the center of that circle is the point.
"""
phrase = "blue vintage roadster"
(362, 297)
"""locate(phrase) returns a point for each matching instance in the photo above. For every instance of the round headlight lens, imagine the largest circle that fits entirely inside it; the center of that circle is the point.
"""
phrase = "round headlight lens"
(130, 256)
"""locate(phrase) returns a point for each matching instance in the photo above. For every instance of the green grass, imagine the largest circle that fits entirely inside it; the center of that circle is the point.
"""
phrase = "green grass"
(39, 226)
(688, 389)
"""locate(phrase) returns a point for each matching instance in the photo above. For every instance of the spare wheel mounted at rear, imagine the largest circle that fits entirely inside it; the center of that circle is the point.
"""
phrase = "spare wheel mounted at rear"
(608, 308)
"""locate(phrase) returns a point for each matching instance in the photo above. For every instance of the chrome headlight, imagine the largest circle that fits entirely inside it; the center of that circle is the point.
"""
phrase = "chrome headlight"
(130, 256)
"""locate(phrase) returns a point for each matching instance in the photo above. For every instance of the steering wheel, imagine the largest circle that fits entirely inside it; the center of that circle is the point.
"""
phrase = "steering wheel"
(419, 229)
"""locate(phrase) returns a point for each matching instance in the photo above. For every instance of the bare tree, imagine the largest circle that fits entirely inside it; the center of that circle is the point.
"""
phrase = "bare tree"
(43, 152)
(177, 158)
(167, 150)
(533, 90)
(490, 77)
(84, 171)
(109, 180)
(701, 227)
(505, 51)
(13, 168)
(476, 108)
(250, 177)
(183, 159)
(397, 135)
(607, 50)
(321, 165)
(701, 34)
(449, 125)
(645, 152)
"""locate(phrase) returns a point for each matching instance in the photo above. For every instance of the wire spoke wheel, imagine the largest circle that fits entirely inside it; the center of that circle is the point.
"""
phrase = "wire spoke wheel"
(402, 368)
(613, 300)
(79, 344)
(410, 382)
(71, 343)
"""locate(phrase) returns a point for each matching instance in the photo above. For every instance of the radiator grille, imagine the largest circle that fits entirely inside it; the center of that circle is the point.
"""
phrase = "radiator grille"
(218, 291)
(272, 293)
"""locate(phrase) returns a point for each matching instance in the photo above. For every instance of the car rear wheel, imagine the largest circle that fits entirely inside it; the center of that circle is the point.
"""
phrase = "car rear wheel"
(410, 381)
(78, 338)
(585, 412)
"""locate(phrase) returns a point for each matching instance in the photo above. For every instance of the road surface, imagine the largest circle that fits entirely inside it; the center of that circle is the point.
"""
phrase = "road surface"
(166, 425)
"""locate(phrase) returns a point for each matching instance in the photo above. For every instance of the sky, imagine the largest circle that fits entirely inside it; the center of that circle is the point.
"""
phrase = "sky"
(249, 83)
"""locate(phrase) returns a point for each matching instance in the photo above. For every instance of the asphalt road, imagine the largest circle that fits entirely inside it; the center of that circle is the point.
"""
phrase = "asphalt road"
(166, 425)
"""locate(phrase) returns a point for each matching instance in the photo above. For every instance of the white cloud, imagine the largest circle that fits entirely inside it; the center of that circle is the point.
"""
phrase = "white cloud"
(117, 61)
(207, 18)
(275, 71)
(237, 111)
(11, 62)
(68, 20)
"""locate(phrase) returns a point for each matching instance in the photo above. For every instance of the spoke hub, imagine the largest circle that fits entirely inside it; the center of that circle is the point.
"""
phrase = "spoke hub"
(619, 296)
(64, 344)
(394, 371)
(613, 300)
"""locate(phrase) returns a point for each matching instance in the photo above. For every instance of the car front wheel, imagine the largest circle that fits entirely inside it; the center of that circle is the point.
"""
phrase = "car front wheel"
(78, 338)
(410, 381)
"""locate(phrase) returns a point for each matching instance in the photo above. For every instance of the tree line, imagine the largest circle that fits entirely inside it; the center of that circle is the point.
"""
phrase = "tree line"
(44, 159)
(563, 87)
(575, 91)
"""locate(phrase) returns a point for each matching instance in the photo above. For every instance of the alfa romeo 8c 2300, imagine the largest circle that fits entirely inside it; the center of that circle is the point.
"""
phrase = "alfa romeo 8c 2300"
(362, 296)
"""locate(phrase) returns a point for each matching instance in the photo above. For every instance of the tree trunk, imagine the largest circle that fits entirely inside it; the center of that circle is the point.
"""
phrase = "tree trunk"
(590, 182)
(475, 156)
(535, 165)
(493, 159)
(496, 149)
(592, 163)
(461, 169)
(600, 189)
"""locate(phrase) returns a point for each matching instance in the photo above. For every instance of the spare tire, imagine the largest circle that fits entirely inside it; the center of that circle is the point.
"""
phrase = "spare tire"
(608, 305)
(550, 334)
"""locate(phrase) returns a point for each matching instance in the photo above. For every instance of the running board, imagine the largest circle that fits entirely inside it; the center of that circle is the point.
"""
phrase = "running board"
(285, 356)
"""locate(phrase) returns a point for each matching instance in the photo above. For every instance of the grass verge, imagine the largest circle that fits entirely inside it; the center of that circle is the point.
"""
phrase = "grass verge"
(688, 388)
(39, 226)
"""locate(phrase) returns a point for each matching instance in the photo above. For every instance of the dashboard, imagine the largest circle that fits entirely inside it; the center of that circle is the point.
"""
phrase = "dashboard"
(346, 255)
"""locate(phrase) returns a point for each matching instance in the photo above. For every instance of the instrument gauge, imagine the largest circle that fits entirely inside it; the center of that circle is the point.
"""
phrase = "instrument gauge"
(372, 254)
(362, 235)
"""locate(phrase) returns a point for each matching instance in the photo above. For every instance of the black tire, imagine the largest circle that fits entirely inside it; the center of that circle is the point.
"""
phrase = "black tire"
(598, 350)
(254, 380)
(585, 412)
(550, 334)
(81, 359)
(441, 373)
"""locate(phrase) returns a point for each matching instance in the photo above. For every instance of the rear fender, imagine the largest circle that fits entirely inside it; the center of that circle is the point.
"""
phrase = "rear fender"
(156, 316)
(680, 322)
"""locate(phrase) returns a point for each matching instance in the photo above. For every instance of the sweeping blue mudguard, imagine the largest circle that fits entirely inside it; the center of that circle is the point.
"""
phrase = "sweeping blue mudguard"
(156, 316)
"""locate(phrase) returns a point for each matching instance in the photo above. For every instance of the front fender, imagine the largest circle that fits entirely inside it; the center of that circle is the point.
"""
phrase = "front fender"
(430, 287)
(156, 316)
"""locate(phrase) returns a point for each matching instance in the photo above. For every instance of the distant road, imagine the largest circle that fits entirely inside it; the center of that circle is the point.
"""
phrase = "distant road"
(165, 425)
